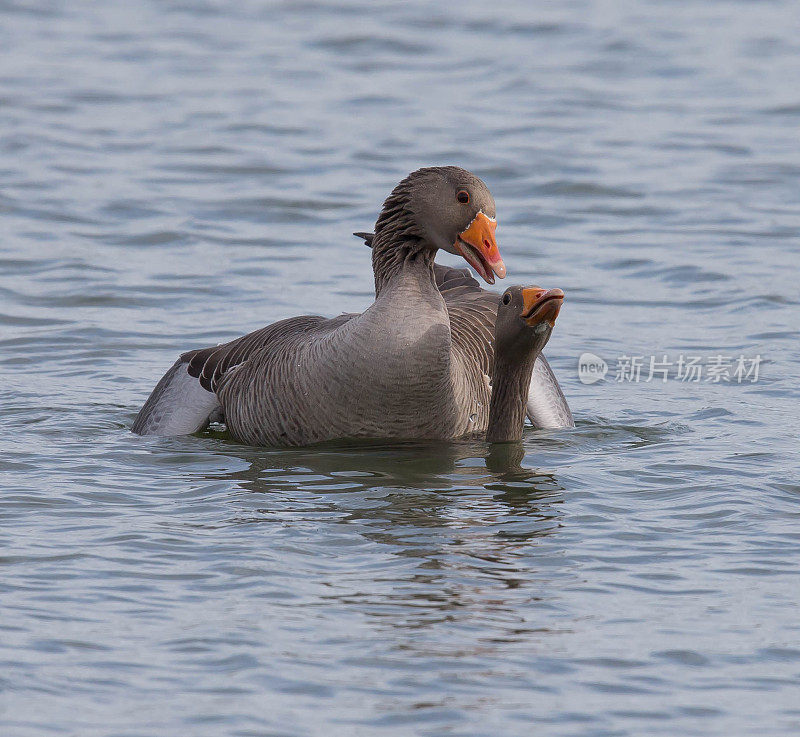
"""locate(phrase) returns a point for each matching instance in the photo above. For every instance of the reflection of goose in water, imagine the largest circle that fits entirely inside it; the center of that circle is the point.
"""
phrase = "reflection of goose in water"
(406, 483)
(401, 534)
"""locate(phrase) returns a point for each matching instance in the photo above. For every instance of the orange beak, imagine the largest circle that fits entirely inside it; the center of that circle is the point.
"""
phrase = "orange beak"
(540, 305)
(479, 248)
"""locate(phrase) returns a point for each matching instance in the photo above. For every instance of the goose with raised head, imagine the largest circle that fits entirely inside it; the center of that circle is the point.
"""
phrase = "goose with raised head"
(525, 319)
(474, 328)
(397, 370)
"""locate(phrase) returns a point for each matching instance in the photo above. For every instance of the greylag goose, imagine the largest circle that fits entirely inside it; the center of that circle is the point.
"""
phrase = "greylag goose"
(397, 370)
(547, 408)
(525, 320)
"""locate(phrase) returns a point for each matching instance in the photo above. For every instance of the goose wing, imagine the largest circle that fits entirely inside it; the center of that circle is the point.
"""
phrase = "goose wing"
(185, 399)
(472, 311)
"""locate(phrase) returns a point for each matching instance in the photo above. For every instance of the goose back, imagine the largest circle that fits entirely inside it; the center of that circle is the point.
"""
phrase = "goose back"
(383, 373)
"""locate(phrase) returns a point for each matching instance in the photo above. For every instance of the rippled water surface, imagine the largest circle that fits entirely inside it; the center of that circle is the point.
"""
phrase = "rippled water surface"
(173, 174)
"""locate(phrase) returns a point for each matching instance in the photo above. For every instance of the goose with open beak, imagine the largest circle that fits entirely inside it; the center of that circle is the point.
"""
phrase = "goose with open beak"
(413, 365)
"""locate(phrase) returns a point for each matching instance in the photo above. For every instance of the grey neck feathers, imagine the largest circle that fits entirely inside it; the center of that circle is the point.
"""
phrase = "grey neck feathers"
(398, 239)
(390, 261)
(510, 384)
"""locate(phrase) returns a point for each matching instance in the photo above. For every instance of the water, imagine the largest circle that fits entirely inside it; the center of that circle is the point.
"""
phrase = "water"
(175, 174)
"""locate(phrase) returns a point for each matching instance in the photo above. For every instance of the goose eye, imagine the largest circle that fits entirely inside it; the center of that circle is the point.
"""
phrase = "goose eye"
(463, 196)
(506, 299)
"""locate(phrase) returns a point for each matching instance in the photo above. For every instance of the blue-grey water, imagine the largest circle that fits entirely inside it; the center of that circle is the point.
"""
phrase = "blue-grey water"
(174, 174)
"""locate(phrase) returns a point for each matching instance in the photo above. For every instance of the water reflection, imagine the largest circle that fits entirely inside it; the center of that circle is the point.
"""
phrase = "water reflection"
(462, 521)
(434, 468)
(505, 458)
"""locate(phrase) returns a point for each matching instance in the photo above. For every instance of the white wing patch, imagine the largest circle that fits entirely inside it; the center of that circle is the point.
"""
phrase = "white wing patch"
(547, 408)
(177, 406)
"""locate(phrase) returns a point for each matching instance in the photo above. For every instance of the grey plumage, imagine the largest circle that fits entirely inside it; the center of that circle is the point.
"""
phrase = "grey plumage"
(473, 329)
(470, 309)
(352, 377)
(413, 365)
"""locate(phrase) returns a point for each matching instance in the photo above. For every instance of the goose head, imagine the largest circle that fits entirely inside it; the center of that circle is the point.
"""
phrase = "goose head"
(525, 319)
(449, 208)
